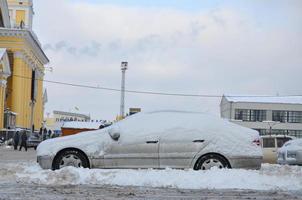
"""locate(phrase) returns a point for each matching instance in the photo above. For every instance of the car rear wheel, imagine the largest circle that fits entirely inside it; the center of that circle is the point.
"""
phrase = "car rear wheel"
(210, 161)
(72, 158)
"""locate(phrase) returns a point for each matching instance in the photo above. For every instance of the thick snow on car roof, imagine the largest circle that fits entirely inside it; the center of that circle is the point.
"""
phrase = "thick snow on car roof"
(162, 120)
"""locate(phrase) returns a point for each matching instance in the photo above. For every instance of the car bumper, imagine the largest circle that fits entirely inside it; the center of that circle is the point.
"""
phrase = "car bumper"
(45, 162)
(246, 162)
(289, 162)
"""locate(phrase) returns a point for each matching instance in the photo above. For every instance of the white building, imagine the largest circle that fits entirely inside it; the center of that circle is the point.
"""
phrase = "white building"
(268, 115)
(69, 116)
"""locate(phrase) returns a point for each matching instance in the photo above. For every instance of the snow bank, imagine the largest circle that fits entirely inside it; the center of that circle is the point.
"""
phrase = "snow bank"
(270, 177)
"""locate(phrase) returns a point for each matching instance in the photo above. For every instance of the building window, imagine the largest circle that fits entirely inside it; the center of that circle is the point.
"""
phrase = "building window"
(287, 116)
(295, 133)
(279, 116)
(241, 114)
(257, 115)
(294, 117)
(250, 115)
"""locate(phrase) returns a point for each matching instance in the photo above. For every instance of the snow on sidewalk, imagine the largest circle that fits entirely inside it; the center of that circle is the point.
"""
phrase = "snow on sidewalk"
(270, 177)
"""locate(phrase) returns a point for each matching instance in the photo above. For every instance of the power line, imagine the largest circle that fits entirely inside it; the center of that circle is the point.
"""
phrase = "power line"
(147, 92)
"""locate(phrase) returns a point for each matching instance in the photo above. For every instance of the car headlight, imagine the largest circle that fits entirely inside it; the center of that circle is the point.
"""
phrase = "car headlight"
(291, 154)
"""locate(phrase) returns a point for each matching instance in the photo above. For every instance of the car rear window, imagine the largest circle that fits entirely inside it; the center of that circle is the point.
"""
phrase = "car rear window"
(268, 142)
(281, 141)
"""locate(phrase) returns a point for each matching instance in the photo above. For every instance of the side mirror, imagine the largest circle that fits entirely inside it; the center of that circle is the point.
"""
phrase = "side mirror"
(114, 134)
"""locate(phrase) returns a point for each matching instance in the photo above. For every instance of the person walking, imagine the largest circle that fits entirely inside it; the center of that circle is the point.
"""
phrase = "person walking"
(49, 133)
(44, 134)
(23, 141)
(16, 140)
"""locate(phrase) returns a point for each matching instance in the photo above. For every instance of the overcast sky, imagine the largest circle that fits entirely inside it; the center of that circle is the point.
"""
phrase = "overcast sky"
(244, 47)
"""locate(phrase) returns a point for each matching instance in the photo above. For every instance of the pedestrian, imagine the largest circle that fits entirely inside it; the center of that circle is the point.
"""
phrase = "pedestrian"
(16, 140)
(49, 133)
(23, 141)
(44, 134)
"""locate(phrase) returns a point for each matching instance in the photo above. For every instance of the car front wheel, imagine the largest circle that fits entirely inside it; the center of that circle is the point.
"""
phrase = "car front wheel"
(72, 158)
(210, 161)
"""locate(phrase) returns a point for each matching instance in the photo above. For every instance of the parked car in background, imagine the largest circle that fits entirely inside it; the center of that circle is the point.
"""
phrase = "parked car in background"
(291, 153)
(33, 141)
(160, 139)
(270, 145)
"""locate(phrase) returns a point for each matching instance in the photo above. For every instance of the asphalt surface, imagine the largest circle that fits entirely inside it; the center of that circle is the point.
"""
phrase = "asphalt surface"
(11, 189)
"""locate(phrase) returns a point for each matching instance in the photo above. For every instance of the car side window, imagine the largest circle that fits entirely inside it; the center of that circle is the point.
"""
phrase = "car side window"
(281, 141)
(268, 142)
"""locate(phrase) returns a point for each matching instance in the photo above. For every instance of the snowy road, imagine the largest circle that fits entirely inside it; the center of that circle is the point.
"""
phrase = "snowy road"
(22, 178)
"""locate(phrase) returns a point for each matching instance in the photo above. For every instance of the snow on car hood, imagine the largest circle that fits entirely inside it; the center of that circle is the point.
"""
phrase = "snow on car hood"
(90, 142)
(226, 137)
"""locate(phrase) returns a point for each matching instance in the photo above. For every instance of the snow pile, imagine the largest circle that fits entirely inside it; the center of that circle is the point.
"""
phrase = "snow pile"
(270, 177)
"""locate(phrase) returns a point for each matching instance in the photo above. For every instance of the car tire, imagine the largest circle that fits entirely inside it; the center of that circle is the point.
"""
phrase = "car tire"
(72, 158)
(209, 161)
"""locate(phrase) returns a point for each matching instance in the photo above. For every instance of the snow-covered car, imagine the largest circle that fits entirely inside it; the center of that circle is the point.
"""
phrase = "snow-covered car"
(291, 153)
(158, 139)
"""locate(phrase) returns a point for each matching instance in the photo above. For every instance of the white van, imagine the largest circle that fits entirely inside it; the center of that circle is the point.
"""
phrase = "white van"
(270, 145)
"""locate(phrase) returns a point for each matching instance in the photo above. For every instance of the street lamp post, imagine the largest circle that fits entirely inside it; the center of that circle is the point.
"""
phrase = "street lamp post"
(271, 124)
(124, 67)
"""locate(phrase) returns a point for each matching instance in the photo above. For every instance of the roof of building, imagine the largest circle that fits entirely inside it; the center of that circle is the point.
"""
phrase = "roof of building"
(70, 114)
(266, 99)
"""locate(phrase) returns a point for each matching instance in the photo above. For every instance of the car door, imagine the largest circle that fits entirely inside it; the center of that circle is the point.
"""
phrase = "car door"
(178, 147)
(269, 149)
(133, 152)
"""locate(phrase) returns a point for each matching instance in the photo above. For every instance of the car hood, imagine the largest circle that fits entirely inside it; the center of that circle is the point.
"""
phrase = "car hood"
(293, 145)
(291, 148)
(91, 142)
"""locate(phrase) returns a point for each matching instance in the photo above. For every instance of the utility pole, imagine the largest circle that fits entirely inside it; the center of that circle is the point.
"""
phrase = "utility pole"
(124, 67)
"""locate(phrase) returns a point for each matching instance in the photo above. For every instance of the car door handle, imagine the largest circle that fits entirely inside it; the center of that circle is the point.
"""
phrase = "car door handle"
(152, 142)
(198, 141)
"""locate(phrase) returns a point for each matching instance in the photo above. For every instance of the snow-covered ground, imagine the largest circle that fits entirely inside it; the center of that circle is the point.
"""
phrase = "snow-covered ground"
(21, 178)
(270, 177)
(21, 167)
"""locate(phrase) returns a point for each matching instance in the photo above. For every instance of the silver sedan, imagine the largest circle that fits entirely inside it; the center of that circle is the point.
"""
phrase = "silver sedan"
(157, 140)
(291, 153)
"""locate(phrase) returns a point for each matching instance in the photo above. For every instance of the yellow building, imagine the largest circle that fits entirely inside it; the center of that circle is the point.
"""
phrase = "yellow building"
(21, 66)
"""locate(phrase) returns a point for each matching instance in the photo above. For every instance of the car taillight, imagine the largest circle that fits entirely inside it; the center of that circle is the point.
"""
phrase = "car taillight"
(257, 142)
